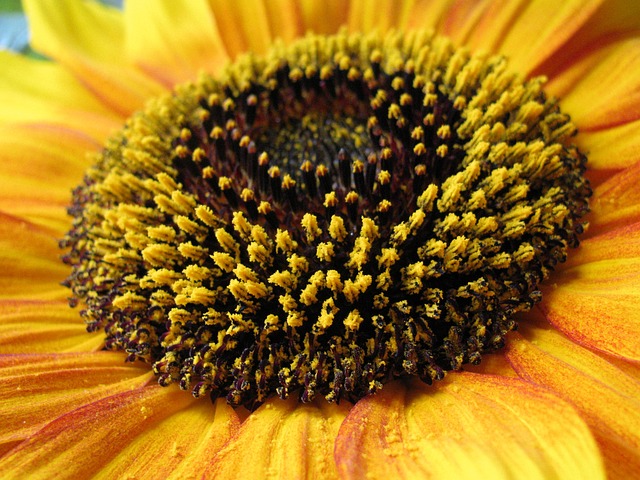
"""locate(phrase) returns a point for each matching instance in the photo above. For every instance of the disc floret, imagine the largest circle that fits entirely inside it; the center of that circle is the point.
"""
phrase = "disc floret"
(344, 211)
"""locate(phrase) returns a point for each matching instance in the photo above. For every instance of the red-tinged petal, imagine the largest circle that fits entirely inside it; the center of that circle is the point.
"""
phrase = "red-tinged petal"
(609, 79)
(37, 389)
(30, 266)
(38, 92)
(40, 326)
(594, 299)
(173, 41)
(614, 21)
(88, 39)
(616, 202)
(540, 28)
(607, 398)
(145, 433)
(288, 440)
(468, 426)
(561, 84)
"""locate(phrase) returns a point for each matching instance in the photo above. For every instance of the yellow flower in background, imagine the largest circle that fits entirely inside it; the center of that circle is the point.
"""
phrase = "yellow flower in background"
(561, 399)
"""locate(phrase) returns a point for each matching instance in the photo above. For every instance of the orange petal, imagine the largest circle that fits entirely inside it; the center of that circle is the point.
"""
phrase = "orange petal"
(88, 38)
(622, 243)
(288, 440)
(469, 426)
(607, 398)
(40, 326)
(173, 41)
(616, 202)
(539, 30)
(609, 80)
(630, 368)
(179, 445)
(142, 433)
(33, 185)
(612, 148)
(594, 299)
(461, 17)
(35, 91)
(36, 389)
(492, 364)
(29, 261)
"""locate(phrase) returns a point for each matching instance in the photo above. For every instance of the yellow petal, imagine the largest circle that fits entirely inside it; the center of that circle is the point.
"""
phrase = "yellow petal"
(607, 398)
(609, 79)
(82, 27)
(495, 21)
(324, 17)
(541, 28)
(451, 18)
(40, 326)
(39, 92)
(37, 389)
(242, 25)
(29, 261)
(284, 439)
(616, 202)
(145, 433)
(285, 18)
(173, 41)
(594, 300)
(469, 426)
(380, 15)
(612, 148)
(88, 39)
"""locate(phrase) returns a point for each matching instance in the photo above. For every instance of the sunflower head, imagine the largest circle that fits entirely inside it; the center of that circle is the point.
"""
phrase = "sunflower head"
(343, 211)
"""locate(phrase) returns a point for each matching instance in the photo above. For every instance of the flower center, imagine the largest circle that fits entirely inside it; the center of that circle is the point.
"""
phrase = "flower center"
(344, 211)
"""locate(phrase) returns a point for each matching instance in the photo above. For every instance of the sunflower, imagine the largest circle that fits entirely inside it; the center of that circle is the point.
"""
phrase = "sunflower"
(331, 235)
